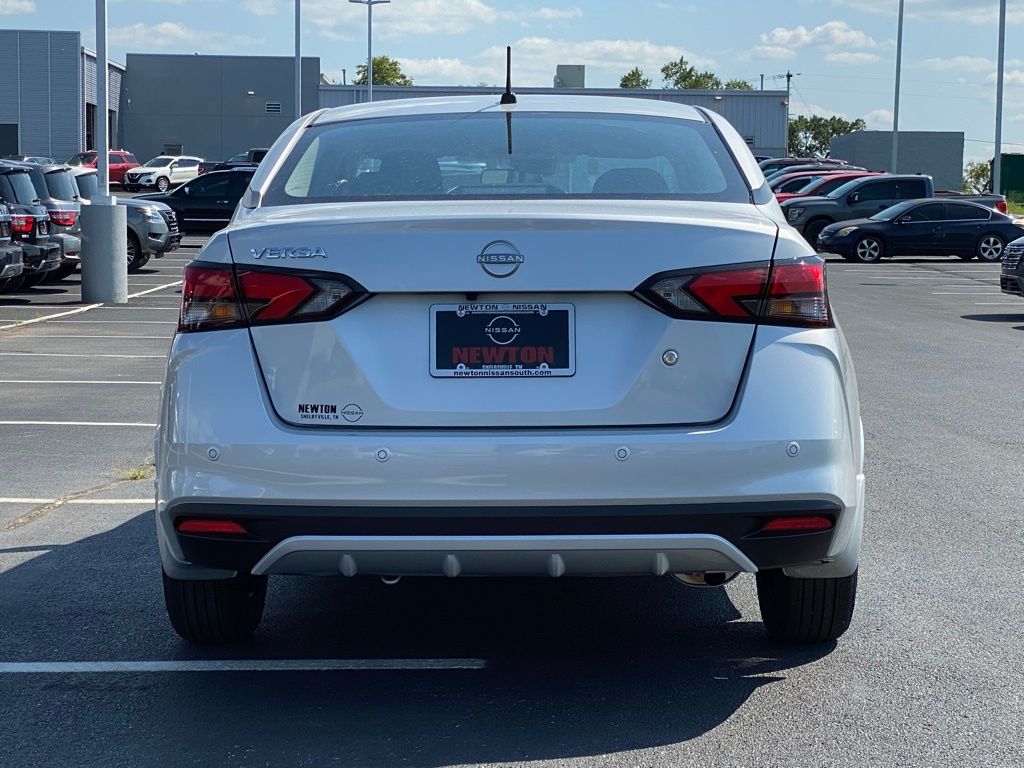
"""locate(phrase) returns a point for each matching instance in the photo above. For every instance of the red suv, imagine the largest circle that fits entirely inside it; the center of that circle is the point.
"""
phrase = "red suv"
(120, 161)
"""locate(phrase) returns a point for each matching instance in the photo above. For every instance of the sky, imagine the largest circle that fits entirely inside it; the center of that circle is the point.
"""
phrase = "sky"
(842, 52)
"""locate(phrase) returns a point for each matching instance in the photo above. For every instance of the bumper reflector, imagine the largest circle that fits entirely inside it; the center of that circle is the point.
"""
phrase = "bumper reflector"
(211, 526)
(801, 524)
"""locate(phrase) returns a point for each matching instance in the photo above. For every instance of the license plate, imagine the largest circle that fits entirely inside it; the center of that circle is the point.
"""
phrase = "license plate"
(43, 229)
(502, 340)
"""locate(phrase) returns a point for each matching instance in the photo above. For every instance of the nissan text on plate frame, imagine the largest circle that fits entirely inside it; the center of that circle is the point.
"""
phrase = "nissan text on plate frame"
(572, 336)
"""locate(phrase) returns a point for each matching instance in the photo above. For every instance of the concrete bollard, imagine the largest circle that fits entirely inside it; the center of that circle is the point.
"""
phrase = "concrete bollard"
(104, 253)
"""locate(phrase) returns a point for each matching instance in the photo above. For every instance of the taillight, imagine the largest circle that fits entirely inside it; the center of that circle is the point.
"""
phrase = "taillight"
(798, 524)
(1001, 206)
(218, 297)
(63, 218)
(21, 224)
(786, 293)
(219, 527)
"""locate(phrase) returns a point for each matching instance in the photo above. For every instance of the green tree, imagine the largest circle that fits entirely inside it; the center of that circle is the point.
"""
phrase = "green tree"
(738, 85)
(977, 177)
(811, 136)
(635, 78)
(681, 74)
(386, 71)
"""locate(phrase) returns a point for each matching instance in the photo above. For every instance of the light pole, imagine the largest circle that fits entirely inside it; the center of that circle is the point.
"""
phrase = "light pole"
(369, 41)
(997, 162)
(298, 60)
(896, 97)
(104, 222)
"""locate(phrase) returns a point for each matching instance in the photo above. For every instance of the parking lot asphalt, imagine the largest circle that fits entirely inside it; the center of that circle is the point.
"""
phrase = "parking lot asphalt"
(640, 672)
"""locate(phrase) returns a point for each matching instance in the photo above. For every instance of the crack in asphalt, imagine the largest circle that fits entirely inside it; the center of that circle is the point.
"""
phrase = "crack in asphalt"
(43, 509)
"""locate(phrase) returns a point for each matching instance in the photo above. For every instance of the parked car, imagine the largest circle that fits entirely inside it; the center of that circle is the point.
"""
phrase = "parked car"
(1011, 275)
(30, 224)
(252, 157)
(11, 254)
(376, 373)
(825, 184)
(923, 227)
(31, 159)
(774, 164)
(56, 189)
(207, 203)
(162, 173)
(864, 197)
(774, 176)
(119, 163)
(792, 182)
(152, 226)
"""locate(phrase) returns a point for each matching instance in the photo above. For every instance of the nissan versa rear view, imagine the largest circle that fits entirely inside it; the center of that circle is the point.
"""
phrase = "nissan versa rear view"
(569, 336)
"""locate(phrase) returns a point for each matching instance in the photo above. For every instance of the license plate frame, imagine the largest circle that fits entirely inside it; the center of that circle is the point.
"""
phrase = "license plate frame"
(495, 355)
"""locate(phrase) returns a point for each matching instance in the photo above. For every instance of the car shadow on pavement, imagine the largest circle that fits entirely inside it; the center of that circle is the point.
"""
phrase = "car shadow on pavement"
(1000, 318)
(575, 667)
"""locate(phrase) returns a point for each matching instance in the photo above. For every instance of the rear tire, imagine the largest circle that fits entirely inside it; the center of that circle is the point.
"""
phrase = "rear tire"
(813, 229)
(869, 250)
(990, 247)
(11, 284)
(210, 612)
(36, 278)
(805, 610)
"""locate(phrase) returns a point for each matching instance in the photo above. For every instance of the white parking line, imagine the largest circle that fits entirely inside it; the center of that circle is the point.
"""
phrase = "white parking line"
(15, 500)
(955, 293)
(87, 307)
(238, 665)
(73, 381)
(80, 336)
(75, 424)
(1000, 304)
(76, 354)
(122, 322)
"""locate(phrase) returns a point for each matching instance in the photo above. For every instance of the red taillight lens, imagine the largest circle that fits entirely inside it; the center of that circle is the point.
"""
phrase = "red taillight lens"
(796, 294)
(1001, 206)
(63, 218)
(215, 297)
(21, 224)
(222, 527)
(798, 524)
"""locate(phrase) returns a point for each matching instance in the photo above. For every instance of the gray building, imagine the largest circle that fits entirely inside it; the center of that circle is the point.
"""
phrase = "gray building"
(759, 116)
(48, 99)
(939, 154)
(210, 106)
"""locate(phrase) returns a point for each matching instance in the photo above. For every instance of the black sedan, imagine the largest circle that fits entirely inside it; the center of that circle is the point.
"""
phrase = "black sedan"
(206, 203)
(923, 227)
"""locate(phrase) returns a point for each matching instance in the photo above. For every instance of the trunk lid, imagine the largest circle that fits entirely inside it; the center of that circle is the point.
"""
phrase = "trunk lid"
(577, 264)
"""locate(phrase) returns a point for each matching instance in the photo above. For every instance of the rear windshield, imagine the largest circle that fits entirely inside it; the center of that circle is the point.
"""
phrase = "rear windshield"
(158, 162)
(87, 185)
(82, 158)
(17, 188)
(485, 155)
(61, 185)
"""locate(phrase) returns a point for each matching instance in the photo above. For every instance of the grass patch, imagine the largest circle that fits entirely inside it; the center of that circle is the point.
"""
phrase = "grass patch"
(144, 472)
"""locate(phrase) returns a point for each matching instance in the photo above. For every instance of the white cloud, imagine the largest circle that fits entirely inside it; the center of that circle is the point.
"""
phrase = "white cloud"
(851, 57)
(957, 64)
(878, 120)
(815, 110)
(832, 33)
(557, 14)
(171, 35)
(536, 58)
(17, 6)
(773, 52)
(344, 21)
(261, 7)
(1011, 77)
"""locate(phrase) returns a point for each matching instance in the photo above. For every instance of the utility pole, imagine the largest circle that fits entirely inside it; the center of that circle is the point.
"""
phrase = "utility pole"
(997, 162)
(344, 76)
(369, 41)
(762, 82)
(298, 59)
(789, 81)
(896, 97)
(104, 223)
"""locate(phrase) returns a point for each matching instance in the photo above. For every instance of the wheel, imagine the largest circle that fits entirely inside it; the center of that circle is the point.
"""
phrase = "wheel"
(813, 229)
(869, 250)
(58, 274)
(990, 247)
(11, 284)
(215, 611)
(136, 258)
(34, 279)
(805, 610)
(163, 184)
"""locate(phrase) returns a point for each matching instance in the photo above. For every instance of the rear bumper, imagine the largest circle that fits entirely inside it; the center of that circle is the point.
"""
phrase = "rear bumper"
(586, 500)
(43, 257)
(11, 263)
(70, 246)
